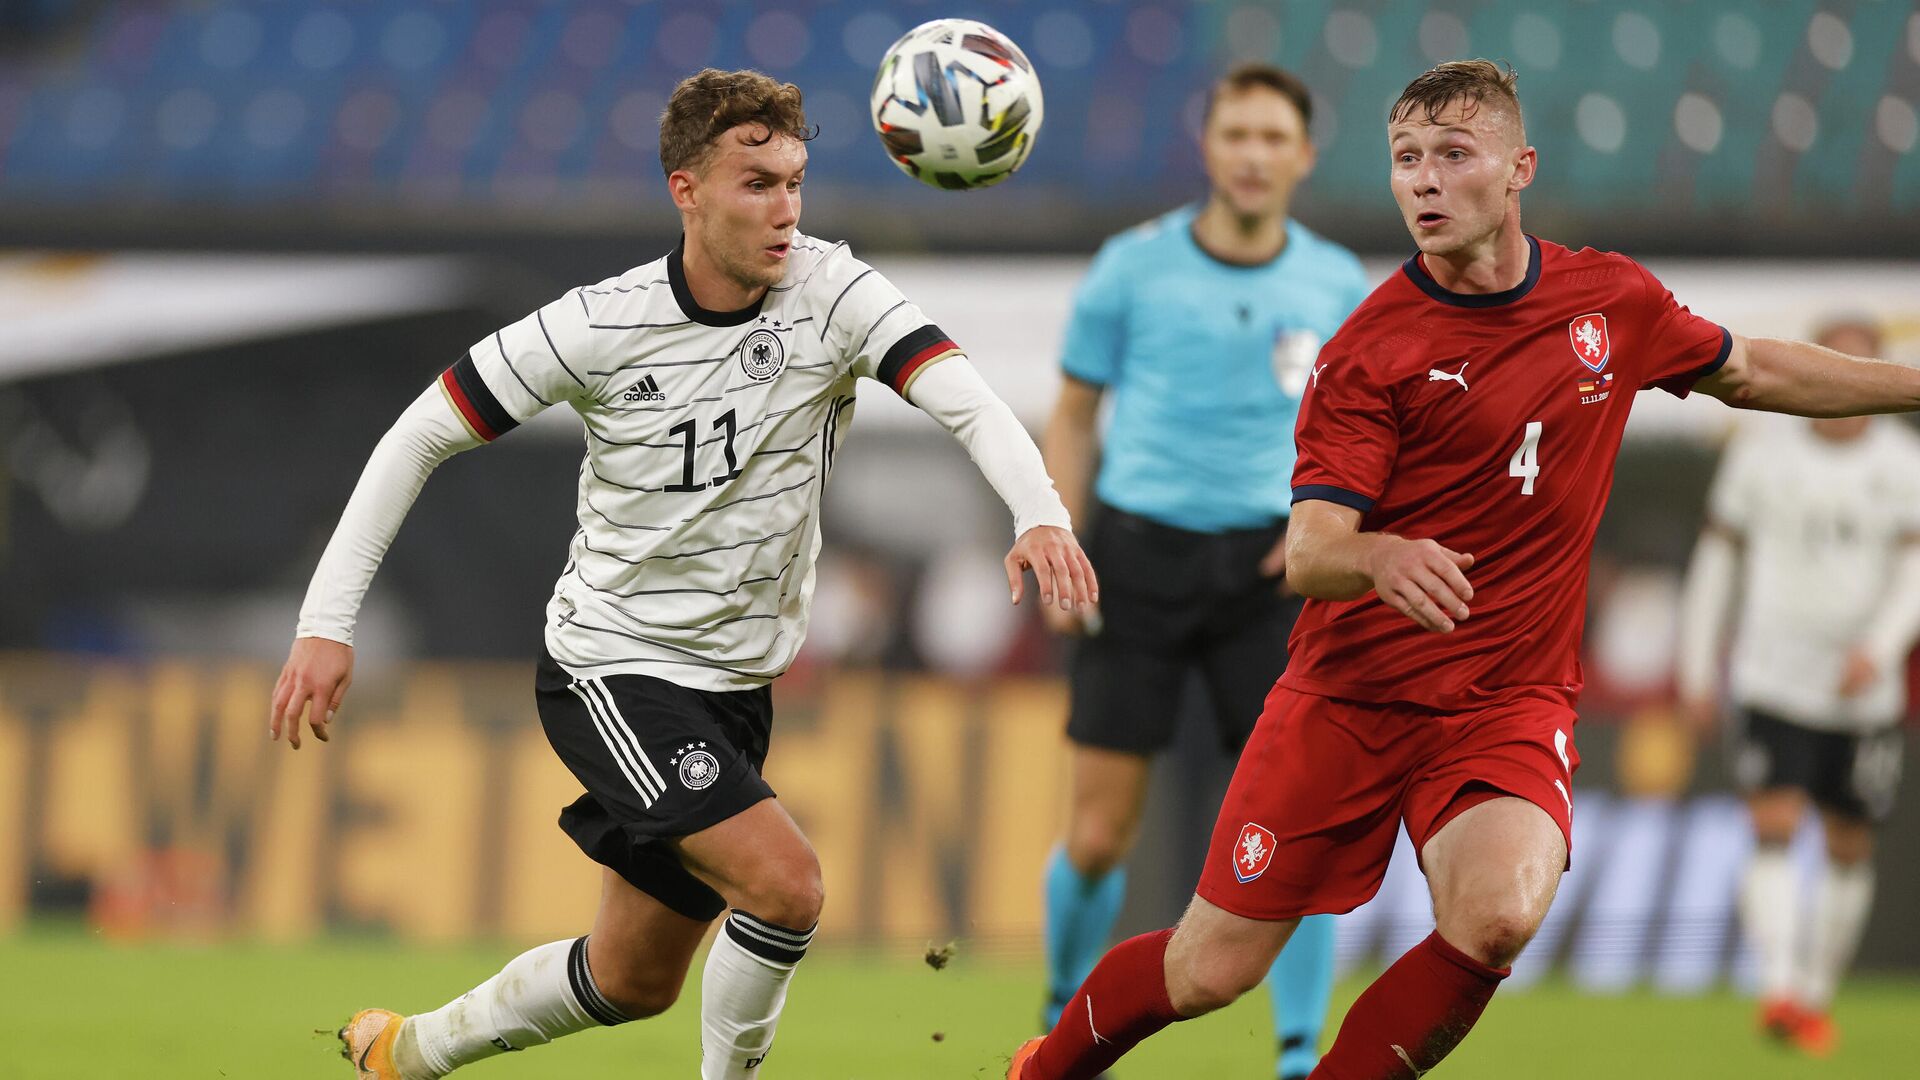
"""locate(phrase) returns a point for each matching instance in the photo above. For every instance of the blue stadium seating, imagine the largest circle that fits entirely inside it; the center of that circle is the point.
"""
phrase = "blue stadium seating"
(549, 106)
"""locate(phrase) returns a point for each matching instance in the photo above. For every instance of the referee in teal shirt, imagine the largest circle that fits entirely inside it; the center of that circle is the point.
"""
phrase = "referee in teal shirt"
(1202, 325)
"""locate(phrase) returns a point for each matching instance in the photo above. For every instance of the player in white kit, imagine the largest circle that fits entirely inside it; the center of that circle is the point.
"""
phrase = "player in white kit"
(1815, 527)
(715, 385)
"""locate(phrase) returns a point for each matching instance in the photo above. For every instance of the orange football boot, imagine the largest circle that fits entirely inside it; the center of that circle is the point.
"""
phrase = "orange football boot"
(367, 1043)
(1815, 1034)
(1778, 1018)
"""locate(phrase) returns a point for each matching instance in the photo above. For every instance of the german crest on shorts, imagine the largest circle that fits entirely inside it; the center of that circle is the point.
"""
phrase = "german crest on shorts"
(698, 769)
(1252, 852)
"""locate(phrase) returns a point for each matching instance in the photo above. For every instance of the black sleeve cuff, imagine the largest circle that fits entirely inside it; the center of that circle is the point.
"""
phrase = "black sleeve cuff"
(1329, 493)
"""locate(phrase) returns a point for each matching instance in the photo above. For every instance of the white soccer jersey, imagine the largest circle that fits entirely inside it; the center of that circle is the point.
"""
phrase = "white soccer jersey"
(1823, 524)
(709, 437)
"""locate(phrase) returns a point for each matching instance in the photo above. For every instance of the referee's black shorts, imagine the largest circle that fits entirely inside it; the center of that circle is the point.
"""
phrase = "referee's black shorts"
(1173, 601)
(659, 761)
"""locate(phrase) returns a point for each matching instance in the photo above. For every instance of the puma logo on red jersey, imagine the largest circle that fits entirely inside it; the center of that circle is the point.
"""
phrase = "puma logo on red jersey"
(1436, 375)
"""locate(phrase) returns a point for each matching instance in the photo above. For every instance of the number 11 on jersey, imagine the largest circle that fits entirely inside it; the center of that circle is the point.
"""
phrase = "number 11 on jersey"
(1526, 460)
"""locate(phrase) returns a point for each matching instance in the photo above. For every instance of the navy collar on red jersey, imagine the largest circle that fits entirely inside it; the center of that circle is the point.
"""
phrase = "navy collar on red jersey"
(1419, 276)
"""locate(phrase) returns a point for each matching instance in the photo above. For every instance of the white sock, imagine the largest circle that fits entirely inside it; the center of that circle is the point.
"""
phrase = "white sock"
(540, 995)
(742, 993)
(1839, 916)
(1769, 909)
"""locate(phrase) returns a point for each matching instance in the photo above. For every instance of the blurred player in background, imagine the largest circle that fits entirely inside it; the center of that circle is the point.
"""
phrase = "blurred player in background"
(1466, 418)
(1815, 528)
(715, 385)
(1203, 324)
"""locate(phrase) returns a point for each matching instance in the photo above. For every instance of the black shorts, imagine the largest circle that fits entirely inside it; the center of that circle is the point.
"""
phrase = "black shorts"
(1854, 775)
(1173, 602)
(659, 761)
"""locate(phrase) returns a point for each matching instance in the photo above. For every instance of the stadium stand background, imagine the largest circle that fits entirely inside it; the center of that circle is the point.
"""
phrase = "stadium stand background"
(1787, 126)
(240, 235)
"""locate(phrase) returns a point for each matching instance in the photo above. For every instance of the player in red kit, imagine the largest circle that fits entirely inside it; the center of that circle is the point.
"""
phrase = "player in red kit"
(1456, 446)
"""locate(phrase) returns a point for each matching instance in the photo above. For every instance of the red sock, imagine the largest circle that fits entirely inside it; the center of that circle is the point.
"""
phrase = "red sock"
(1121, 1003)
(1412, 1015)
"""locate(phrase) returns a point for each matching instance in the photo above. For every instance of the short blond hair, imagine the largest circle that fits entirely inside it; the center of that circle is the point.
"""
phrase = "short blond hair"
(1469, 82)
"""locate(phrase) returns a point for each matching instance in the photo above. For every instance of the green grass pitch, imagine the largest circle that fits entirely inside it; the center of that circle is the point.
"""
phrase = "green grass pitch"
(78, 1009)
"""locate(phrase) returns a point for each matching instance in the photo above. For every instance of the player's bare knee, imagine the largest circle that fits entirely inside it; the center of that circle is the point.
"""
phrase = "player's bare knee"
(1499, 938)
(792, 895)
(1213, 986)
(1095, 849)
(1211, 980)
(1776, 816)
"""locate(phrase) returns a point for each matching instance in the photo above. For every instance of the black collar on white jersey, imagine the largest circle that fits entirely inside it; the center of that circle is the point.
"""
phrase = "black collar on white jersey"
(1420, 277)
(677, 278)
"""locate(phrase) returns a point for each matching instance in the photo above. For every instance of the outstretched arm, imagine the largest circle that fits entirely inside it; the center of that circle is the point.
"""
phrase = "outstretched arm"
(1329, 558)
(954, 394)
(320, 667)
(1775, 375)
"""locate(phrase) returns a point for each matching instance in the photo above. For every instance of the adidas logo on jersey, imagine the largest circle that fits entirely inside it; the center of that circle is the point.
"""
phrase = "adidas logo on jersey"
(645, 390)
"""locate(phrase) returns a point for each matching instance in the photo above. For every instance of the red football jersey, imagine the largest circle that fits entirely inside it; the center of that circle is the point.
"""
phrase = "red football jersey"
(1489, 423)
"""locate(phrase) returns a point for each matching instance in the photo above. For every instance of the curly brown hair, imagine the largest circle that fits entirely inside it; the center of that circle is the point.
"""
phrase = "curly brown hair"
(1470, 82)
(711, 102)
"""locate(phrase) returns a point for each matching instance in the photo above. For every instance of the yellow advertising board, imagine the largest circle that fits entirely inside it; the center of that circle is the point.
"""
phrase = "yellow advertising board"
(150, 793)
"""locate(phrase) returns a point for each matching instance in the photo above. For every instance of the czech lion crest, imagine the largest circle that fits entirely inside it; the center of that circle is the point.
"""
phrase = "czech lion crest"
(1588, 334)
(1252, 852)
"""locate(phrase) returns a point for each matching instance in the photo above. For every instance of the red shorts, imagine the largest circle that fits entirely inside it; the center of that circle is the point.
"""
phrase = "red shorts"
(1310, 819)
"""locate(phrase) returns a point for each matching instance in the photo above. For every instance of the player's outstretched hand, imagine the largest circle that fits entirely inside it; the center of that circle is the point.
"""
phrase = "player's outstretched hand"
(1423, 581)
(1859, 674)
(1060, 568)
(314, 681)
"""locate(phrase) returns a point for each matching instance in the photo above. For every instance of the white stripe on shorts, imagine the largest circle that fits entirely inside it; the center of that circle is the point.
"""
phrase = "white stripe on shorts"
(620, 757)
(633, 741)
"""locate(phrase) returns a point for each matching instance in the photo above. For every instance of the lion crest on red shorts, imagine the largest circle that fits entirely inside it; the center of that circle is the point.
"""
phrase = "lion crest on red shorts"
(1252, 852)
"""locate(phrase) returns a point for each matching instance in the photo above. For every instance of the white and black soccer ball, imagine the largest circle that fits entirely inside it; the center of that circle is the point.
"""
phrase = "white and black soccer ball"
(957, 104)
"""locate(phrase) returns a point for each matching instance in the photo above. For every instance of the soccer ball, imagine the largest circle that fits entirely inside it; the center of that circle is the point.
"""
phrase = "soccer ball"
(957, 104)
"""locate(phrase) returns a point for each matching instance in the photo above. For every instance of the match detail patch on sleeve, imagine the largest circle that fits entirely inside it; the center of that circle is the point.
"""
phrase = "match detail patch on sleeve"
(911, 354)
(467, 392)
